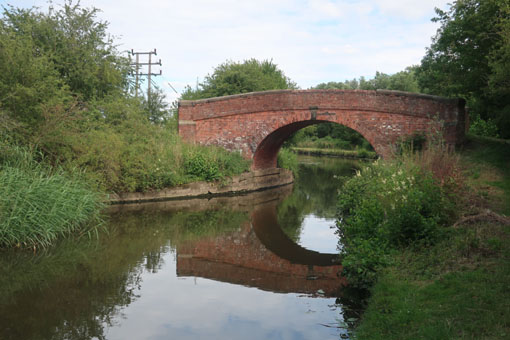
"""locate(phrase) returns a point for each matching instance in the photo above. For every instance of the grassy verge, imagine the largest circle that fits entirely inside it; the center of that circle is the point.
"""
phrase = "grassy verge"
(38, 204)
(360, 153)
(458, 287)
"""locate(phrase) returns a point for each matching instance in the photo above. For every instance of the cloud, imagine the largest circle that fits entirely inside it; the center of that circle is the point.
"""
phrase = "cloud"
(409, 9)
(312, 41)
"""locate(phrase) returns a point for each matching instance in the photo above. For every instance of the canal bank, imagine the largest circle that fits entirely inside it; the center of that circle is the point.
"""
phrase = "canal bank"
(255, 180)
(458, 287)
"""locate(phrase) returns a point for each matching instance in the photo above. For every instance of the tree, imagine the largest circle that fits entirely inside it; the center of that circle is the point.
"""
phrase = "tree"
(400, 81)
(70, 43)
(469, 58)
(156, 107)
(234, 77)
(28, 80)
(333, 85)
(58, 61)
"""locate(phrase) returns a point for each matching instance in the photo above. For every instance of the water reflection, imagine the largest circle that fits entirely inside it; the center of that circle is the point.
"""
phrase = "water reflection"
(307, 216)
(216, 269)
(260, 255)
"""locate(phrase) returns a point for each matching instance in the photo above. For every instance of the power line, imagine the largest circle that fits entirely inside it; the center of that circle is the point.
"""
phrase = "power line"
(139, 64)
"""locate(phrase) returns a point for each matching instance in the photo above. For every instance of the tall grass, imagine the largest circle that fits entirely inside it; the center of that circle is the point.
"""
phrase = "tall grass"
(38, 204)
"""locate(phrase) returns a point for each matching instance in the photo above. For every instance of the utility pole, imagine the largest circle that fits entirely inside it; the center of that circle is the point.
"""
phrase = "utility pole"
(138, 65)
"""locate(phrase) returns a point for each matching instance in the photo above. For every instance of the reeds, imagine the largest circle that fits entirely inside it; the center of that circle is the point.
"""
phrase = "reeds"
(39, 205)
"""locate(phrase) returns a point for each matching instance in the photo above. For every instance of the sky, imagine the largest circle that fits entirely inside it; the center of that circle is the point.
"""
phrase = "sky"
(312, 41)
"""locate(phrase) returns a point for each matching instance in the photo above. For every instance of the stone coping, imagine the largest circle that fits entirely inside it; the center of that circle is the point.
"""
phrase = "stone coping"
(288, 92)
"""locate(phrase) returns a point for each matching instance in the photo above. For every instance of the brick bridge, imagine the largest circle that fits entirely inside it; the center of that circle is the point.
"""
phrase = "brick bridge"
(258, 123)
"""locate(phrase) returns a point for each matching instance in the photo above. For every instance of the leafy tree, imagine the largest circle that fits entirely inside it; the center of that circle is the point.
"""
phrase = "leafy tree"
(234, 77)
(156, 107)
(333, 85)
(469, 57)
(50, 61)
(404, 80)
(400, 81)
(28, 80)
(82, 50)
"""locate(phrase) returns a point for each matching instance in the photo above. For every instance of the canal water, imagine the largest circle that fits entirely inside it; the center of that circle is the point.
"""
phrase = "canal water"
(257, 266)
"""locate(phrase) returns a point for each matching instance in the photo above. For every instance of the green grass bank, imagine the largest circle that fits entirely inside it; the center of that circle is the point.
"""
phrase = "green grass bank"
(359, 153)
(455, 287)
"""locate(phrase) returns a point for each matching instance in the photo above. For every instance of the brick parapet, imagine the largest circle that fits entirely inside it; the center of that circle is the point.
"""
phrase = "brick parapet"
(395, 102)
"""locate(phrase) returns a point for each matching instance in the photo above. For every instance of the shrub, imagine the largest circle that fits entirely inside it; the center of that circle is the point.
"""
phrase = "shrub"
(199, 166)
(484, 128)
(391, 205)
(362, 153)
(211, 163)
(288, 160)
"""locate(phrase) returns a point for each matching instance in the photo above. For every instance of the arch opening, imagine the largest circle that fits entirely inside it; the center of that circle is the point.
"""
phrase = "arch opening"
(266, 153)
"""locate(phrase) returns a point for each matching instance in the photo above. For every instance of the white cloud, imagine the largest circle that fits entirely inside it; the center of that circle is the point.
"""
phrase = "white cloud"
(409, 9)
(313, 41)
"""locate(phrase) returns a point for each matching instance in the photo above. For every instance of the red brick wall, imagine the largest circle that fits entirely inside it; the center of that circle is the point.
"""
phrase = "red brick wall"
(258, 123)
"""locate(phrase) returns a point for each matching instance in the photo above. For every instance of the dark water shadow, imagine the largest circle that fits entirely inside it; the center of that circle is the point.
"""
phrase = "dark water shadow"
(265, 224)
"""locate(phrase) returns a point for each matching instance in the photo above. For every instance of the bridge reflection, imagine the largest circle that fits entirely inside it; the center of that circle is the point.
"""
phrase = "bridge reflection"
(259, 254)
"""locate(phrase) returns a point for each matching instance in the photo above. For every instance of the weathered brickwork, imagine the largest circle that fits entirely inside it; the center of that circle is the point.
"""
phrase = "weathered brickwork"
(256, 124)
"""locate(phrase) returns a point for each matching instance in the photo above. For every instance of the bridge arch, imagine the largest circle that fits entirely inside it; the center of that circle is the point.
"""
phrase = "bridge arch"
(256, 124)
(265, 155)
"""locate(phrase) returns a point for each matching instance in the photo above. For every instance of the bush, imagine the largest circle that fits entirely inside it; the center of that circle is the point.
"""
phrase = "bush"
(362, 153)
(288, 160)
(211, 163)
(198, 166)
(140, 156)
(484, 128)
(390, 205)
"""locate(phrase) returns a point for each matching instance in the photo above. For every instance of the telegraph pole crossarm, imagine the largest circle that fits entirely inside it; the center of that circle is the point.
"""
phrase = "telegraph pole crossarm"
(138, 65)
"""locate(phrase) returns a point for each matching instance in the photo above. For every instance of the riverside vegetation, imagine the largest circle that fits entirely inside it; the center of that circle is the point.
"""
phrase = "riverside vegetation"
(435, 256)
(427, 235)
(71, 129)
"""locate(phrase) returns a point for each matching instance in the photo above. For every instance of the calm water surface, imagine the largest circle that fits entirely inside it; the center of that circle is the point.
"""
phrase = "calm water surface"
(259, 266)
